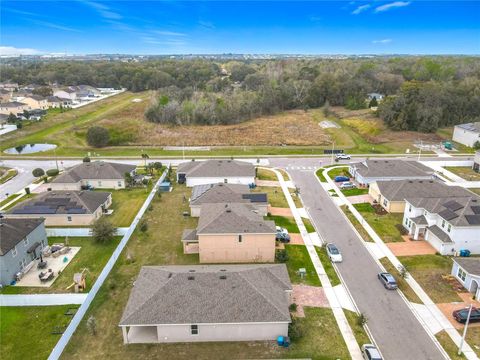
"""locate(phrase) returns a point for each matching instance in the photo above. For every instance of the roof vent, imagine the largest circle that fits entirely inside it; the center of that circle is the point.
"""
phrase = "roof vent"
(191, 277)
(169, 275)
(192, 271)
(229, 210)
(223, 269)
(223, 277)
(420, 182)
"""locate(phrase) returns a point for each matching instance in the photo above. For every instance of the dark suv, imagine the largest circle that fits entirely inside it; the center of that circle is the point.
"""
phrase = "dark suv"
(461, 315)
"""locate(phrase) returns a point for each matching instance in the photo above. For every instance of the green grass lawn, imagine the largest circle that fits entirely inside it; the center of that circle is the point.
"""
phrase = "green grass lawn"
(285, 175)
(354, 192)
(308, 225)
(25, 332)
(19, 200)
(465, 172)
(274, 194)
(9, 174)
(363, 233)
(285, 222)
(340, 171)
(473, 338)
(428, 271)
(126, 203)
(8, 199)
(402, 283)
(358, 330)
(320, 175)
(327, 265)
(264, 174)
(448, 345)
(384, 225)
(298, 258)
(92, 256)
(475, 190)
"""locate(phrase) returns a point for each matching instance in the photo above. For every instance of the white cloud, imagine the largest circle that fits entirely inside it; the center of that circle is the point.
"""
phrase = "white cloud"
(168, 33)
(13, 51)
(392, 5)
(383, 41)
(54, 26)
(103, 10)
(360, 9)
(167, 42)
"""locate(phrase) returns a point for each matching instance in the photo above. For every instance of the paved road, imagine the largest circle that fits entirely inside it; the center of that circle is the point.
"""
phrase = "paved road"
(394, 327)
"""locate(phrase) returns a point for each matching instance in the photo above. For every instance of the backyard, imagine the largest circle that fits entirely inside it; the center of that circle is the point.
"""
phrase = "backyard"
(126, 203)
(290, 224)
(465, 172)
(298, 257)
(276, 198)
(387, 226)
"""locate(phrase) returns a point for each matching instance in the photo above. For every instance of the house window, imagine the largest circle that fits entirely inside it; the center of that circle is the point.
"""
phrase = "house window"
(25, 241)
(119, 184)
(14, 251)
(449, 227)
(461, 274)
(225, 181)
(69, 218)
(385, 202)
(99, 183)
(406, 222)
(443, 223)
(23, 263)
(194, 329)
(240, 238)
(410, 208)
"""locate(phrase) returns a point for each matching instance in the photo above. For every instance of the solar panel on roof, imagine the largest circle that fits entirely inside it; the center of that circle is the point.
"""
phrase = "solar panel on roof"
(447, 214)
(473, 219)
(453, 205)
(255, 197)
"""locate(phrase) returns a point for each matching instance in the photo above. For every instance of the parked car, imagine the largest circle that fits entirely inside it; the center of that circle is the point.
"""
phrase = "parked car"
(282, 237)
(342, 157)
(370, 352)
(347, 185)
(341, 178)
(282, 230)
(461, 315)
(333, 253)
(388, 281)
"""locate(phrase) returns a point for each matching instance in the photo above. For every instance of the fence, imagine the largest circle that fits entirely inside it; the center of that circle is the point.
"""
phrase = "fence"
(62, 343)
(42, 299)
(78, 232)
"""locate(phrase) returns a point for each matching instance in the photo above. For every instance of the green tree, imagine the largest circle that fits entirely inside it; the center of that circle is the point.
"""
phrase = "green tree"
(97, 136)
(476, 145)
(38, 172)
(103, 230)
(11, 118)
(86, 159)
(373, 102)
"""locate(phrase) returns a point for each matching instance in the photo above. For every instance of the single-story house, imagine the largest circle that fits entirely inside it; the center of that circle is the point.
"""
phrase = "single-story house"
(13, 107)
(22, 240)
(215, 171)
(476, 161)
(225, 193)
(170, 304)
(231, 233)
(56, 102)
(449, 224)
(467, 272)
(65, 94)
(97, 174)
(467, 134)
(64, 208)
(391, 195)
(369, 171)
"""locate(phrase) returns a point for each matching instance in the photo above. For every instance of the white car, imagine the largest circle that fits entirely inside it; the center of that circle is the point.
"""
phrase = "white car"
(281, 230)
(333, 253)
(342, 156)
(370, 352)
(347, 185)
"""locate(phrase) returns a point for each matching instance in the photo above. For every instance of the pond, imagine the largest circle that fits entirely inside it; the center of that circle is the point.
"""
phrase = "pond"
(29, 148)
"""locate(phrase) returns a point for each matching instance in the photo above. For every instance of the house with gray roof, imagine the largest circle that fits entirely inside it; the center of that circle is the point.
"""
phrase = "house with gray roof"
(215, 171)
(64, 208)
(21, 241)
(231, 233)
(96, 174)
(467, 271)
(13, 107)
(226, 193)
(170, 304)
(391, 195)
(467, 134)
(369, 171)
(448, 223)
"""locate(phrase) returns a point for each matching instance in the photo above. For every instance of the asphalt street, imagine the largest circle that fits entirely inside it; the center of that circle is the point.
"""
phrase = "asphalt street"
(395, 329)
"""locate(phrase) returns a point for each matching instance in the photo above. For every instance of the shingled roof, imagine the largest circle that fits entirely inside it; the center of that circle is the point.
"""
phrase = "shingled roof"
(392, 168)
(97, 170)
(399, 190)
(12, 231)
(475, 126)
(62, 202)
(216, 168)
(209, 294)
(222, 218)
(232, 193)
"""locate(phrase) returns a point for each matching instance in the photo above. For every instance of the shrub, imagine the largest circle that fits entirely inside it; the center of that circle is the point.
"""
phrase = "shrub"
(97, 136)
(476, 145)
(293, 307)
(92, 325)
(295, 329)
(361, 319)
(281, 255)
(86, 159)
(103, 230)
(52, 172)
(143, 226)
(38, 172)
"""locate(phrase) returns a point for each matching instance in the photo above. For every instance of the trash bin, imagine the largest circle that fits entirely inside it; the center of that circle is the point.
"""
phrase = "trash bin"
(464, 253)
(280, 340)
(286, 341)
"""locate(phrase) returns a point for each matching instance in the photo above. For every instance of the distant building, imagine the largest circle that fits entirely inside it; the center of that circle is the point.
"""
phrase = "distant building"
(65, 94)
(170, 304)
(35, 102)
(216, 171)
(377, 96)
(63, 208)
(9, 86)
(467, 134)
(13, 107)
(21, 241)
(476, 161)
(56, 102)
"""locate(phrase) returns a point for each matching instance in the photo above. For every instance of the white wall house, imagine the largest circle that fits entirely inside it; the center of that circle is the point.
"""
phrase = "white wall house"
(467, 134)
(216, 171)
(467, 272)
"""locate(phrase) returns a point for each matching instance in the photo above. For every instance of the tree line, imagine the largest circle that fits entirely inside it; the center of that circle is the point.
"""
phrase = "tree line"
(423, 93)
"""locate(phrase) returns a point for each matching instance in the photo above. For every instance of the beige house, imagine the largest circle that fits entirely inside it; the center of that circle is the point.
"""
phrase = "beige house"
(13, 107)
(226, 193)
(35, 102)
(231, 233)
(56, 102)
(170, 304)
(392, 194)
(64, 208)
(96, 174)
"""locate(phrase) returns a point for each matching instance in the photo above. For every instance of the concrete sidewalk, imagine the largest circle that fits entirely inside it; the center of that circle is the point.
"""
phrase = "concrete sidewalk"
(330, 292)
(430, 317)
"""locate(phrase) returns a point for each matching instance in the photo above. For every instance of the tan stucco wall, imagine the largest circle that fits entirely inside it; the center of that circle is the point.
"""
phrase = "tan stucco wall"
(396, 207)
(34, 104)
(392, 206)
(97, 184)
(59, 220)
(226, 248)
(64, 186)
(374, 191)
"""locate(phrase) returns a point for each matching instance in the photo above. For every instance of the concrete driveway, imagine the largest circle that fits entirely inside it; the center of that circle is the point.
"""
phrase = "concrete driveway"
(395, 329)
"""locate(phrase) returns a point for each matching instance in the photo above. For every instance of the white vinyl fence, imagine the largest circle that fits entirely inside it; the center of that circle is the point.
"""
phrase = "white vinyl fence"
(79, 232)
(42, 299)
(62, 343)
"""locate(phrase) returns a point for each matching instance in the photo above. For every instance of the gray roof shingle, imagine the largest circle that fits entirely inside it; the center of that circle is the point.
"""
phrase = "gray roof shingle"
(198, 295)
(216, 168)
(392, 168)
(399, 190)
(12, 231)
(232, 193)
(475, 126)
(469, 264)
(442, 236)
(97, 170)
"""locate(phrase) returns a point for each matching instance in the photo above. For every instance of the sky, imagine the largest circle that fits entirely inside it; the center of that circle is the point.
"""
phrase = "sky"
(261, 27)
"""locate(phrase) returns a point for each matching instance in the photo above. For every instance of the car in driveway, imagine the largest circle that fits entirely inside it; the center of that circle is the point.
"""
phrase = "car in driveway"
(370, 352)
(461, 315)
(333, 253)
(282, 237)
(342, 157)
(341, 178)
(281, 230)
(388, 280)
(347, 185)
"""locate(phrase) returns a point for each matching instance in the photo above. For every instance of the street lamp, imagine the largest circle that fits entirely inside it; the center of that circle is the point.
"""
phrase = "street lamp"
(465, 330)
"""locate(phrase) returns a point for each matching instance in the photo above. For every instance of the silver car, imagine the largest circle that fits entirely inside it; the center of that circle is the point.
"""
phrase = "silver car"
(370, 352)
(388, 280)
